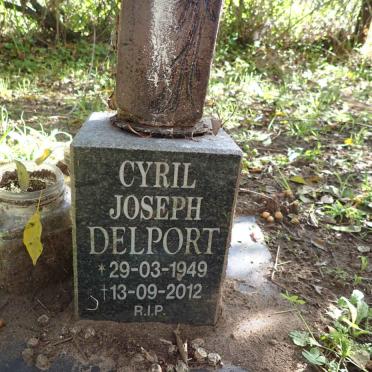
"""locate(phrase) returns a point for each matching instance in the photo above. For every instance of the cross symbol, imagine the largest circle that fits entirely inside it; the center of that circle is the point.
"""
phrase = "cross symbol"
(104, 290)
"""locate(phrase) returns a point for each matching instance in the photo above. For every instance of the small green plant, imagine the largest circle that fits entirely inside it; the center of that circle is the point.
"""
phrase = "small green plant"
(345, 212)
(283, 181)
(293, 299)
(344, 186)
(313, 154)
(338, 348)
(363, 263)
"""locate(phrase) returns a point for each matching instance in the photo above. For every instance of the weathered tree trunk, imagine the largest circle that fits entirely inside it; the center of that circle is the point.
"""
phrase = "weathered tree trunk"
(48, 19)
(165, 52)
(363, 21)
(366, 50)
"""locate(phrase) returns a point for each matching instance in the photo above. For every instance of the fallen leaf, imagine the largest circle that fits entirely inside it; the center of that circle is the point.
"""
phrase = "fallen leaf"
(368, 223)
(313, 220)
(304, 199)
(319, 244)
(306, 189)
(326, 199)
(312, 179)
(321, 263)
(216, 126)
(255, 170)
(363, 249)
(298, 179)
(318, 289)
(2, 323)
(44, 156)
(32, 237)
(350, 229)
(330, 189)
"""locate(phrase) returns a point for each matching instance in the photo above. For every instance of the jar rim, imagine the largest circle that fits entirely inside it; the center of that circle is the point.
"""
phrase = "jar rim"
(50, 191)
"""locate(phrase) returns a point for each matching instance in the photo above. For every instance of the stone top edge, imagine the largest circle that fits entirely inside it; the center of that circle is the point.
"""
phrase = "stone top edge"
(98, 132)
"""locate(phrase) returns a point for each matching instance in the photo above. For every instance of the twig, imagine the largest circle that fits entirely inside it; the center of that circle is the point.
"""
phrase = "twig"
(180, 345)
(276, 263)
(81, 351)
(283, 263)
(42, 305)
(283, 312)
(164, 341)
(137, 133)
(62, 341)
(246, 191)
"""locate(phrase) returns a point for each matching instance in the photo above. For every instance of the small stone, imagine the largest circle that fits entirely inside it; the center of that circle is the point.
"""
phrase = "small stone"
(198, 342)
(214, 359)
(33, 342)
(138, 358)
(44, 336)
(278, 216)
(2, 323)
(172, 350)
(64, 331)
(155, 368)
(270, 219)
(295, 221)
(181, 367)
(43, 320)
(42, 362)
(28, 356)
(75, 330)
(89, 333)
(273, 342)
(200, 355)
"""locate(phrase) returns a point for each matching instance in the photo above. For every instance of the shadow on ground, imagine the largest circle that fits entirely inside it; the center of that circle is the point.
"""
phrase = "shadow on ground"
(251, 335)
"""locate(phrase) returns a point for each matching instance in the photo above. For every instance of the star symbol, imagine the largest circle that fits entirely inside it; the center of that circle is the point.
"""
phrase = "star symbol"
(101, 268)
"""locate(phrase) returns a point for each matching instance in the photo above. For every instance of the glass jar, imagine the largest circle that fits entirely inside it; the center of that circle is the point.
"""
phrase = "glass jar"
(17, 273)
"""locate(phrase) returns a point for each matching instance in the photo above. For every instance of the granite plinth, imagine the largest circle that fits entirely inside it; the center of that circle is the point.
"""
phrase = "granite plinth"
(152, 222)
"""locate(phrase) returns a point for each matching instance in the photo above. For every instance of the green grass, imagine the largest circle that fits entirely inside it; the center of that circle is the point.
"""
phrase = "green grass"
(283, 107)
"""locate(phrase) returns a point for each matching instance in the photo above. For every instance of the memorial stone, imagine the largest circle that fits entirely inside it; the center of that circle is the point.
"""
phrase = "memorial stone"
(152, 223)
(152, 216)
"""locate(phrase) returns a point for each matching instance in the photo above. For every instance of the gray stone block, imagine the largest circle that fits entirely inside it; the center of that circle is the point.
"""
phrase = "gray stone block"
(152, 222)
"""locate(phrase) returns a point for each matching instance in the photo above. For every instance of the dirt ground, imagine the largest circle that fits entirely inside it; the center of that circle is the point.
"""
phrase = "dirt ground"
(320, 264)
(251, 334)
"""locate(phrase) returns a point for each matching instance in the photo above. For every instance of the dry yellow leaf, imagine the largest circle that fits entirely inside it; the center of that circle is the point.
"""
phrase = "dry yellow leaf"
(32, 237)
(44, 156)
